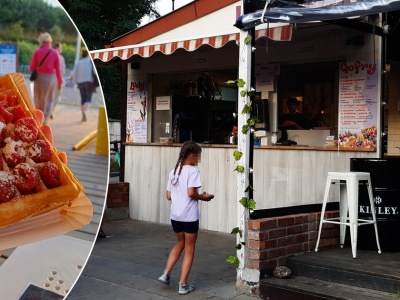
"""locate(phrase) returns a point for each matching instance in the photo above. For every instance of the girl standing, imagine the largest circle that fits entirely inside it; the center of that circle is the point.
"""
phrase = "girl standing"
(182, 190)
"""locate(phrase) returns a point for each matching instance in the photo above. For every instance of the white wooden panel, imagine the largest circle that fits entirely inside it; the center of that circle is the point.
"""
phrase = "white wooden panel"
(281, 178)
(308, 177)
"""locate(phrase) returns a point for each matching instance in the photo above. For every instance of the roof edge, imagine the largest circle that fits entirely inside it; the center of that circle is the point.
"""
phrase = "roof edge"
(183, 15)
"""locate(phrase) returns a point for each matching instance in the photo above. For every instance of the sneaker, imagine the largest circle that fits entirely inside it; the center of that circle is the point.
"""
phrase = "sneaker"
(185, 289)
(164, 278)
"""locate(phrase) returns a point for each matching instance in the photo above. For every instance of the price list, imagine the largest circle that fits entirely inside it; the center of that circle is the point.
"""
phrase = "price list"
(358, 103)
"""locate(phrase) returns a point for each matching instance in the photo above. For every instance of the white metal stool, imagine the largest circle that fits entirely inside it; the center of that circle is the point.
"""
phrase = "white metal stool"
(348, 206)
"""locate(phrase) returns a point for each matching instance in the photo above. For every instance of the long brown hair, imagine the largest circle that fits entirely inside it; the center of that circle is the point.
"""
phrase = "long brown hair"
(187, 148)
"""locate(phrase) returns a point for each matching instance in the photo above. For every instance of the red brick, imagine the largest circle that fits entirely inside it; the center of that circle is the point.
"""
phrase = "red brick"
(258, 255)
(313, 235)
(313, 226)
(291, 249)
(285, 221)
(261, 245)
(277, 233)
(299, 219)
(258, 235)
(268, 264)
(295, 229)
(262, 224)
(314, 217)
(277, 252)
(300, 238)
(287, 240)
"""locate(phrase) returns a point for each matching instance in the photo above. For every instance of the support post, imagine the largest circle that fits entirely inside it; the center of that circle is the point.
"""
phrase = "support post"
(244, 275)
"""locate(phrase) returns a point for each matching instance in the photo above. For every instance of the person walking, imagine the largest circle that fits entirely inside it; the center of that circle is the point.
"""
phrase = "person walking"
(183, 184)
(46, 62)
(82, 74)
(58, 47)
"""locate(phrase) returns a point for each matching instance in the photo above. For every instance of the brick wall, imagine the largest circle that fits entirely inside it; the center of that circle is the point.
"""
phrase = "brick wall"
(272, 240)
(118, 195)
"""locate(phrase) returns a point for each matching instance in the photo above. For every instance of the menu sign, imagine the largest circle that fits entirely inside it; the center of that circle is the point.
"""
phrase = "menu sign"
(8, 58)
(136, 112)
(358, 104)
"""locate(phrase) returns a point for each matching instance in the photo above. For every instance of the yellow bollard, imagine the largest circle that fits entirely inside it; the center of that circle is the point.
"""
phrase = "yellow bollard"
(102, 144)
(86, 140)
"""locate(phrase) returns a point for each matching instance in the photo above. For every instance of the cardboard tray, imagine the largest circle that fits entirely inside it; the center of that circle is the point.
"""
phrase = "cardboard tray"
(53, 223)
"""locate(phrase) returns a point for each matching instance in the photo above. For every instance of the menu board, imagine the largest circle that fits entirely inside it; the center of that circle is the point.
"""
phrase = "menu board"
(358, 104)
(8, 58)
(136, 112)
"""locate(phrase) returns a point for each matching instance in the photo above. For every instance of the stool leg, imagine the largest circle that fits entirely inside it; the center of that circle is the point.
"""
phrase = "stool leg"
(371, 201)
(326, 194)
(352, 194)
(343, 211)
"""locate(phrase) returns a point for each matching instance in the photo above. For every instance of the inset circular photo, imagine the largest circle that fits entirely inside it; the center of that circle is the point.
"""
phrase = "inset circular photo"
(54, 148)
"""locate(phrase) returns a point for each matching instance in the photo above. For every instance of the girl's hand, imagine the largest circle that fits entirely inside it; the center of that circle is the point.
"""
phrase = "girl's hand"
(207, 197)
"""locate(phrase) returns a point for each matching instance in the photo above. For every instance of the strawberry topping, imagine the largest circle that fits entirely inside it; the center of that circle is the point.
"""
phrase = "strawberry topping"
(40, 151)
(26, 129)
(27, 178)
(7, 189)
(50, 174)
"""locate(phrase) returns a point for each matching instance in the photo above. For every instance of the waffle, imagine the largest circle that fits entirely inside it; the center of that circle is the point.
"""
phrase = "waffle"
(18, 201)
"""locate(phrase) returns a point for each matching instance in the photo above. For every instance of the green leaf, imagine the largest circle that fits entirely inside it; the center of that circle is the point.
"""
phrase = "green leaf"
(233, 260)
(237, 155)
(247, 39)
(251, 122)
(231, 82)
(238, 246)
(241, 83)
(251, 93)
(237, 230)
(251, 204)
(245, 129)
(239, 169)
(246, 109)
(243, 93)
(243, 201)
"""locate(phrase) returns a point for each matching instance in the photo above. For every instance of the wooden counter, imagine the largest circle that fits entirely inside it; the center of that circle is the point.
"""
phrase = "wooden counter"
(283, 176)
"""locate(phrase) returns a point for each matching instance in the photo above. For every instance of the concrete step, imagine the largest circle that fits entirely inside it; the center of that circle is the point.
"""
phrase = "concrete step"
(369, 270)
(306, 288)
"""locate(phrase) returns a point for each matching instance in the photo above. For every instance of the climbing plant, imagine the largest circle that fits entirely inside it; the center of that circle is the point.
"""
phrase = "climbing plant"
(247, 203)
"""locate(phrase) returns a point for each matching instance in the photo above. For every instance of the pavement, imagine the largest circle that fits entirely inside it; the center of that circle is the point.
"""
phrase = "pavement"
(127, 263)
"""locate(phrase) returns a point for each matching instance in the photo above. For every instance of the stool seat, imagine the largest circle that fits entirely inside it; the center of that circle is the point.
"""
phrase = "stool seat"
(348, 206)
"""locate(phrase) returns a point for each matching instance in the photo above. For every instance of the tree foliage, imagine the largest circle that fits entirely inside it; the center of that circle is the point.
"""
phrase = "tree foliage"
(101, 21)
(25, 19)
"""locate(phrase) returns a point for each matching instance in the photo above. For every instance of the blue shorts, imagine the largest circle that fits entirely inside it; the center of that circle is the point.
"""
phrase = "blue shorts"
(188, 227)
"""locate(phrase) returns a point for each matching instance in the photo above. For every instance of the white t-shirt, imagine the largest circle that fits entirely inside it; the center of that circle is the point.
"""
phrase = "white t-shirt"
(183, 208)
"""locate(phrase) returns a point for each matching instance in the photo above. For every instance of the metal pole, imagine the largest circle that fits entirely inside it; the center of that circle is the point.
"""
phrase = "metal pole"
(173, 6)
(78, 48)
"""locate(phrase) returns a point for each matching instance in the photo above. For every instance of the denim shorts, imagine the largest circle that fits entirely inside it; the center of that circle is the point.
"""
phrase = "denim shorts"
(188, 227)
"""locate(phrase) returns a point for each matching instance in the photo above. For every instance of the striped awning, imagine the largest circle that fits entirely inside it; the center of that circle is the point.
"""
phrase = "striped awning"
(281, 33)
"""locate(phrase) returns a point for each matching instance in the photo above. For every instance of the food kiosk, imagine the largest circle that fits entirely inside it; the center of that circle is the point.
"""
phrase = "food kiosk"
(323, 65)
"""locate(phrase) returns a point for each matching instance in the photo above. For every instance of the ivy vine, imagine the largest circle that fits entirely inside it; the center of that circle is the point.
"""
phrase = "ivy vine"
(245, 202)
